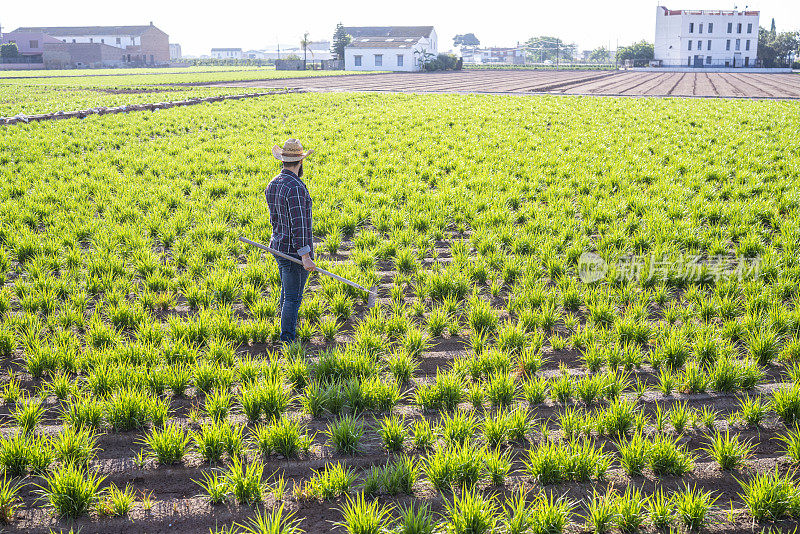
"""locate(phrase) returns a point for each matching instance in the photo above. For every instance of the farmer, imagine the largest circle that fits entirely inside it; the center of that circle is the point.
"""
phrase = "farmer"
(290, 214)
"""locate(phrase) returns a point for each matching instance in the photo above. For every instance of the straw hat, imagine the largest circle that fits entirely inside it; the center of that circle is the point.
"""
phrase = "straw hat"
(292, 151)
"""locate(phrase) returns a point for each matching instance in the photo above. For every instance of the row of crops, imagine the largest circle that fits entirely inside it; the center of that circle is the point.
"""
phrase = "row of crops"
(491, 389)
(50, 91)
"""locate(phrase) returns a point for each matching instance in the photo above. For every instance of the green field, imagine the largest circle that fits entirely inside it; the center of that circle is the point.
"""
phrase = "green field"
(494, 388)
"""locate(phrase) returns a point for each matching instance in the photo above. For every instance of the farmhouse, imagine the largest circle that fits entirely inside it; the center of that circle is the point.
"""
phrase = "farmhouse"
(395, 48)
(104, 45)
(686, 38)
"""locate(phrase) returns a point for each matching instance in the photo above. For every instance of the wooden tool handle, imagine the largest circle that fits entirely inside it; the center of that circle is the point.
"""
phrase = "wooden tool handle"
(299, 262)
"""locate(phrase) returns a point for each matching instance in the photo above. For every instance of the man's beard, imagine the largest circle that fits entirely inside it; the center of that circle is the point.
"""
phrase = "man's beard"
(300, 171)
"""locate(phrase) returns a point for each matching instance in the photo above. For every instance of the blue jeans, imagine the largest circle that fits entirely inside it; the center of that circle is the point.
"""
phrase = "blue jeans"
(293, 281)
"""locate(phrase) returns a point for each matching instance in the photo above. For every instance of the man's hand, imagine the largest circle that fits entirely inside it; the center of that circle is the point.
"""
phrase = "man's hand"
(308, 263)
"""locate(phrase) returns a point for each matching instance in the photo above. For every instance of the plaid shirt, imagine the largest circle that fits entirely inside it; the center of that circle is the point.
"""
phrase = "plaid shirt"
(290, 214)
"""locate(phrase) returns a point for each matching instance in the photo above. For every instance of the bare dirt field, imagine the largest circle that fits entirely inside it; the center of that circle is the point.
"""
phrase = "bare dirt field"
(609, 83)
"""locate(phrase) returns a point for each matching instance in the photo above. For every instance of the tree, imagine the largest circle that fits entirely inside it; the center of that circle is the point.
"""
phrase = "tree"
(600, 55)
(9, 50)
(424, 58)
(545, 48)
(340, 41)
(467, 39)
(776, 49)
(637, 52)
(304, 44)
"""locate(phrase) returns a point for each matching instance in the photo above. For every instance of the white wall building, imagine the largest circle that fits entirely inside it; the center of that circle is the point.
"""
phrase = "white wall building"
(688, 38)
(227, 53)
(394, 48)
(175, 51)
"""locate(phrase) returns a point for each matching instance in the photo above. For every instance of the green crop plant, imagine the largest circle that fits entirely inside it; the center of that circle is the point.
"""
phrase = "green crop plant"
(453, 465)
(28, 413)
(218, 404)
(393, 433)
(457, 427)
(471, 512)
(633, 454)
(345, 434)
(244, 481)
(215, 484)
(770, 496)
(76, 446)
(423, 436)
(498, 465)
(362, 517)
(72, 491)
(692, 506)
(167, 445)
(668, 457)
(729, 452)
(117, 502)
(274, 522)
(415, 520)
(10, 499)
(331, 482)
(751, 410)
(285, 436)
(209, 440)
(786, 403)
(630, 507)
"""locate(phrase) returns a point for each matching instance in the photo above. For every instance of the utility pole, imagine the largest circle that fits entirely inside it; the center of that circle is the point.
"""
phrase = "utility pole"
(558, 52)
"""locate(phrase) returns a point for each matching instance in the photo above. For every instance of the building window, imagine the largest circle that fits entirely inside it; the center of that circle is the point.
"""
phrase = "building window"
(379, 60)
(690, 45)
(119, 40)
(699, 45)
(750, 28)
(730, 27)
(91, 39)
(700, 28)
(738, 44)
(691, 27)
(35, 44)
(728, 44)
(357, 61)
(710, 27)
(747, 62)
(73, 40)
(739, 28)
(709, 45)
(708, 60)
(399, 60)
(747, 45)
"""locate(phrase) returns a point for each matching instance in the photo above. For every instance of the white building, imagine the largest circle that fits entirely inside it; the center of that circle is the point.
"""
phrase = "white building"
(686, 38)
(226, 53)
(395, 48)
(174, 51)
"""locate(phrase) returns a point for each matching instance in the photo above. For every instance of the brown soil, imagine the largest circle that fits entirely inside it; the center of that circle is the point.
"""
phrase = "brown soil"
(599, 83)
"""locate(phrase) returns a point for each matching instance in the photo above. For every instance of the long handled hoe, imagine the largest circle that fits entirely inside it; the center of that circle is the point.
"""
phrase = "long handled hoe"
(371, 295)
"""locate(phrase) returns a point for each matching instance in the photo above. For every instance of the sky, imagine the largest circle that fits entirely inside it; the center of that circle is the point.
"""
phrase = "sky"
(199, 26)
